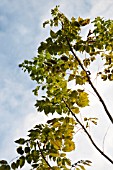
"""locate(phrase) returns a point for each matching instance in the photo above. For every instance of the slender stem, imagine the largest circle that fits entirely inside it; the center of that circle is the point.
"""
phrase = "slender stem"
(90, 82)
(87, 133)
(43, 156)
(105, 137)
(13, 159)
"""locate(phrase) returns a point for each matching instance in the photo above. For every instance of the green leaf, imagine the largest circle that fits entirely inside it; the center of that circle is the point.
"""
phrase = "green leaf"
(3, 162)
(71, 77)
(64, 58)
(13, 165)
(35, 155)
(29, 158)
(74, 94)
(20, 141)
(59, 161)
(20, 151)
(22, 161)
(45, 23)
(27, 149)
(5, 167)
(34, 165)
(53, 34)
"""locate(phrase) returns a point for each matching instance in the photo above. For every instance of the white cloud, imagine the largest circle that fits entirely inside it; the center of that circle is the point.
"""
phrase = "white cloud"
(102, 8)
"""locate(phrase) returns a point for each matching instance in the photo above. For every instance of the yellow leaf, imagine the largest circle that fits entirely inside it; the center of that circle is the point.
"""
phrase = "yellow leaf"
(69, 146)
(62, 155)
(80, 19)
(75, 110)
(57, 144)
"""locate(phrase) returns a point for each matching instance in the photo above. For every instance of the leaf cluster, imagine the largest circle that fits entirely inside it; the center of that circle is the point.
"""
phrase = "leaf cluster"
(50, 141)
(59, 66)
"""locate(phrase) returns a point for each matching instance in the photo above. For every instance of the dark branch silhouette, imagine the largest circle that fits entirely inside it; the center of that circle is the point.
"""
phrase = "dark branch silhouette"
(90, 82)
(87, 133)
(43, 156)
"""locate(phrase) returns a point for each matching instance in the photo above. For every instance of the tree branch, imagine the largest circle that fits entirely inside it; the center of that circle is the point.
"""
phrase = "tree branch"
(89, 136)
(90, 82)
(43, 156)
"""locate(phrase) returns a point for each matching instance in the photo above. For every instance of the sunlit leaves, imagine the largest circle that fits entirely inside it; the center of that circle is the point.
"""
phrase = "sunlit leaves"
(82, 99)
(55, 140)
(81, 79)
(68, 146)
(52, 69)
(63, 58)
(83, 22)
(103, 36)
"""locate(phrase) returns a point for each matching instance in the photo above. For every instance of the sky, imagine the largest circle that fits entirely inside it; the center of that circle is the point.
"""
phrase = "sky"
(20, 34)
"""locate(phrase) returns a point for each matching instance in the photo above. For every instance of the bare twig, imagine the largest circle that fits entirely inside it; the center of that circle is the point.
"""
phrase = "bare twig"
(89, 136)
(90, 82)
(13, 159)
(105, 137)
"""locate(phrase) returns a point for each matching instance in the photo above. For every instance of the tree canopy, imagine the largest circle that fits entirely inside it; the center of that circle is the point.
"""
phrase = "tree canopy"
(61, 69)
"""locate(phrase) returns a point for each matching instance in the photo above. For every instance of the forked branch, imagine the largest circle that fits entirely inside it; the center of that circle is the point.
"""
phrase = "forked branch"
(90, 82)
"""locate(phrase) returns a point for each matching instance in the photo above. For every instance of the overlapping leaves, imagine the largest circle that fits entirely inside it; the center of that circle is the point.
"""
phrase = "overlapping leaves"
(55, 67)
(52, 140)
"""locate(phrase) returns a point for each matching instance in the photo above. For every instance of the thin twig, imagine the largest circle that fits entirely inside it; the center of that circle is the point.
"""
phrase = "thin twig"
(89, 136)
(14, 159)
(90, 82)
(105, 136)
(43, 156)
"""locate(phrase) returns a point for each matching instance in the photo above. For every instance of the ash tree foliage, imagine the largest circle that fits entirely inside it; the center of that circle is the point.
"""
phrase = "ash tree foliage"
(61, 70)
